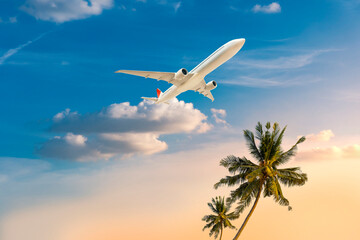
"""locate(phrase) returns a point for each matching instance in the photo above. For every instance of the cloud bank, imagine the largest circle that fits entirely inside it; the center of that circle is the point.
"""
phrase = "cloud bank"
(322, 136)
(120, 130)
(60, 11)
(330, 153)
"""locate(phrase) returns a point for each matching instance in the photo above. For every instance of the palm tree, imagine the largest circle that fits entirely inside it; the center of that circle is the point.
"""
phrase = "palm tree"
(221, 219)
(252, 179)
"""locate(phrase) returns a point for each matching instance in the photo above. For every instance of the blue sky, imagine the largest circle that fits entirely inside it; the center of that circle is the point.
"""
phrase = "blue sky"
(299, 66)
(70, 62)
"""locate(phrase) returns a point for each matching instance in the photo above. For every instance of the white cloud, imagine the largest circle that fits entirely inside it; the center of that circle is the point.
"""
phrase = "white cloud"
(271, 8)
(121, 130)
(160, 118)
(13, 51)
(330, 153)
(78, 140)
(122, 110)
(60, 11)
(219, 115)
(145, 143)
(62, 114)
(322, 136)
(61, 148)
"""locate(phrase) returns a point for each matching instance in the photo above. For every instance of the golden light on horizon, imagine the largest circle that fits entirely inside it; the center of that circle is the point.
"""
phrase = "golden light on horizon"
(169, 200)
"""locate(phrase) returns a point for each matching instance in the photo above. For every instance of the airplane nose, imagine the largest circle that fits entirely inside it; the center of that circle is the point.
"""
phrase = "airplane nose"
(240, 41)
(237, 43)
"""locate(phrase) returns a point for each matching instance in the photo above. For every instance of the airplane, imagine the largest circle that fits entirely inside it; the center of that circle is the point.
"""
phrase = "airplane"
(183, 80)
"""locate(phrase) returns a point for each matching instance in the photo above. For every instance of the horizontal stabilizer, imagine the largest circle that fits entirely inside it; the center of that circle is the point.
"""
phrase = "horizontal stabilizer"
(150, 98)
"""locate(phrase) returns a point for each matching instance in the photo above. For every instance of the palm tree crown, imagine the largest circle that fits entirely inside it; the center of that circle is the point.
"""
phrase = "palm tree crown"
(264, 176)
(220, 219)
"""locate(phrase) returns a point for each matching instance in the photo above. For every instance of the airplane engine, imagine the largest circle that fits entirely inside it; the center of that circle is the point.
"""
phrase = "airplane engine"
(179, 75)
(211, 85)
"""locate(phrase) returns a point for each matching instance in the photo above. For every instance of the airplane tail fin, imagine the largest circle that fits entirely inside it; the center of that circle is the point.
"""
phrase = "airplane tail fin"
(159, 93)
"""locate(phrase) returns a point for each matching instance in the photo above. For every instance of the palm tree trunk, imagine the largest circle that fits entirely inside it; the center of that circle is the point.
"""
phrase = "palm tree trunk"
(221, 231)
(249, 215)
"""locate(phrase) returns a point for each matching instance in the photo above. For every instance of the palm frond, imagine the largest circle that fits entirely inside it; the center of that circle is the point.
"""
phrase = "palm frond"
(233, 216)
(282, 200)
(236, 164)
(246, 201)
(230, 180)
(245, 194)
(286, 156)
(208, 218)
(278, 141)
(237, 193)
(259, 131)
(228, 224)
(274, 188)
(242, 166)
(245, 190)
(256, 174)
(215, 230)
(270, 148)
(209, 225)
(291, 176)
(250, 141)
(211, 206)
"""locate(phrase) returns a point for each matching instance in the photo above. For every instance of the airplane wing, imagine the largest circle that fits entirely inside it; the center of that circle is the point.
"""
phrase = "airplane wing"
(164, 76)
(201, 89)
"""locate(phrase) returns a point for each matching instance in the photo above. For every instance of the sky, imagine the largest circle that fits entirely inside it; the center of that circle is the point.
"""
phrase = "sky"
(82, 154)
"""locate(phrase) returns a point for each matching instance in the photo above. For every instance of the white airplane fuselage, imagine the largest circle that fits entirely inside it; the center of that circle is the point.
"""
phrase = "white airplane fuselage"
(217, 58)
